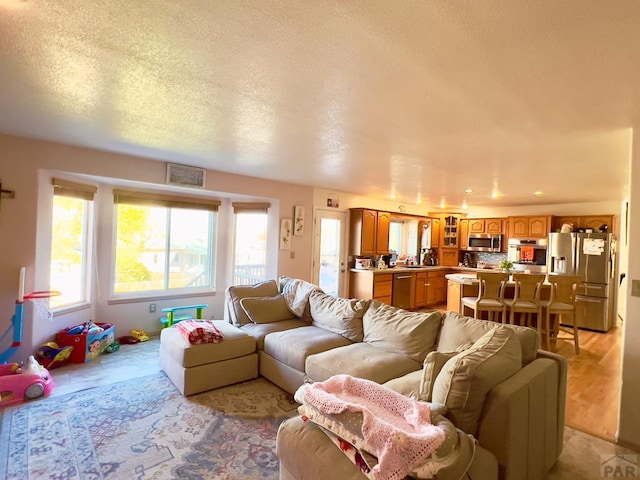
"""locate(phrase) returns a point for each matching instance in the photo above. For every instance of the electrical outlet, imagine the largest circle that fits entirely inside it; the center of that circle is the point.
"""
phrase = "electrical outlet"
(635, 288)
(152, 307)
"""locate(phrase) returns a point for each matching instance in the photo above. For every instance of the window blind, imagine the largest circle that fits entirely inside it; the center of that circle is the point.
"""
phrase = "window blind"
(67, 188)
(164, 200)
(250, 207)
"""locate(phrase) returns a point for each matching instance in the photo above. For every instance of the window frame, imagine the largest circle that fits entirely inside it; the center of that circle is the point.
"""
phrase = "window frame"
(85, 193)
(169, 202)
(240, 208)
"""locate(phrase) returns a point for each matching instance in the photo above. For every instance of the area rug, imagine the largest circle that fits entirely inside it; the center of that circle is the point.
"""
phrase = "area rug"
(145, 429)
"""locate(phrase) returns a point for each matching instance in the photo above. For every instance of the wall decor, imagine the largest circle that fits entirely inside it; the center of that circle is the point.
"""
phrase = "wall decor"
(285, 234)
(333, 201)
(298, 220)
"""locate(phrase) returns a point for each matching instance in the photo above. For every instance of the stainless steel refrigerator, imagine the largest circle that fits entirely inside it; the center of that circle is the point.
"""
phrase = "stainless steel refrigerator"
(593, 257)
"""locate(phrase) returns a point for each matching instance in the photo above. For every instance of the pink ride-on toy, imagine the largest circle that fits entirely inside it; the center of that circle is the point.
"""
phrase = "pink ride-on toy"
(31, 380)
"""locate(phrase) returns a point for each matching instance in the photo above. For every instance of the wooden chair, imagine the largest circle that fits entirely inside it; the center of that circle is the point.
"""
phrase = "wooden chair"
(561, 303)
(526, 298)
(490, 297)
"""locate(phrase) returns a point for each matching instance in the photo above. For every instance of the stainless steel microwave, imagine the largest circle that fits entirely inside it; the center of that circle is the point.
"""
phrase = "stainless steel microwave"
(484, 242)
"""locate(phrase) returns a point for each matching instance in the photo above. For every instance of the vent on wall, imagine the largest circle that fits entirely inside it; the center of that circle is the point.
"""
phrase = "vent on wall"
(185, 175)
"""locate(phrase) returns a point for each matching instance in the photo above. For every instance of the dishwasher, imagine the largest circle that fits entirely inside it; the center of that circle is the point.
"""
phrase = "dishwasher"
(401, 296)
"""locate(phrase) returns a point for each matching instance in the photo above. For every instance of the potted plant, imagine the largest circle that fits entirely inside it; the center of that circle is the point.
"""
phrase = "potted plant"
(506, 266)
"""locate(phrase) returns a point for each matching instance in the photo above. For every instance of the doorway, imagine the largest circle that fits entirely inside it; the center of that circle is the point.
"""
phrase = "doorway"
(329, 252)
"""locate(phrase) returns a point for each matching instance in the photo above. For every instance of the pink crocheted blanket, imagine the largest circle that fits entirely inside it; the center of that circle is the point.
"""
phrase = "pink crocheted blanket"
(397, 427)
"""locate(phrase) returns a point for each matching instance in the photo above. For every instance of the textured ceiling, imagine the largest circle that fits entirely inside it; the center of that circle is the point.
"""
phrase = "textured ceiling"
(418, 98)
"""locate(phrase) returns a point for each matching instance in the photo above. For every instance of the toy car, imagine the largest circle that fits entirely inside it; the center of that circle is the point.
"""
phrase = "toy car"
(18, 384)
(112, 347)
(141, 335)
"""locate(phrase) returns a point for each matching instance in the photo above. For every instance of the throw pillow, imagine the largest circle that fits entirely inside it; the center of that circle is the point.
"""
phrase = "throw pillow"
(433, 363)
(466, 378)
(236, 293)
(411, 334)
(338, 315)
(266, 309)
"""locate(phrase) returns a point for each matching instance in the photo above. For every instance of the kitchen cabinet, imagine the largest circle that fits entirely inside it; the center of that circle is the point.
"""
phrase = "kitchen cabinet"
(494, 225)
(437, 288)
(584, 221)
(448, 245)
(465, 229)
(455, 292)
(529, 227)
(435, 232)
(476, 225)
(368, 232)
(421, 287)
(383, 288)
(364, 284)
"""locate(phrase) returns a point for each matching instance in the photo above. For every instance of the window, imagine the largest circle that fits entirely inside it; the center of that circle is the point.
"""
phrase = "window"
(250, 243)
(70, 239)
(164, 244)
(395, 237)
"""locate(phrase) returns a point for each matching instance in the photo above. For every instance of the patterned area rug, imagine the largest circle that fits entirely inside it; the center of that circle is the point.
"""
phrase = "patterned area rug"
(144, 429)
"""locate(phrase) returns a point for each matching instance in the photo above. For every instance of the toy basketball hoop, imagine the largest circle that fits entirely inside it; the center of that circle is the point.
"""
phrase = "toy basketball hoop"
(40, 301)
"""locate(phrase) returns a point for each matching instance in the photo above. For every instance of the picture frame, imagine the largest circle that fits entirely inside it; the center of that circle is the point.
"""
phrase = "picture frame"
(298, 220)
(285, 234)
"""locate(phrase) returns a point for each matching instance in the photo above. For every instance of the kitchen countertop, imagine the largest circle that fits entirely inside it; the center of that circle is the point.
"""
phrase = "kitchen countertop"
(417, 268)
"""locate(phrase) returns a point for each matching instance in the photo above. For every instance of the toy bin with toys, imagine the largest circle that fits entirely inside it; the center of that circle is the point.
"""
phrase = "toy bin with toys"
(88, 340)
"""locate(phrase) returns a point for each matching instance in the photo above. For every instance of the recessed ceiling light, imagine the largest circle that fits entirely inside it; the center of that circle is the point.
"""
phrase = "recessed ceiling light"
(495, 194)
(538, 193)
(468, 190)
(393, 196)
(464, 204)
(443, 204)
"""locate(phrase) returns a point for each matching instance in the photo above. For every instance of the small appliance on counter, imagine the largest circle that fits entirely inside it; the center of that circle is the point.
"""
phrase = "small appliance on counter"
(363, 263)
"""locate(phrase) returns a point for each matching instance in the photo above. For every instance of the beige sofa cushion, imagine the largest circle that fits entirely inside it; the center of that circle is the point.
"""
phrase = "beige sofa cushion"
(459, 329)
(466, 378)
(292, 347)
(236, 293)
(266, 309)
(430, 369)
(260, 330)
(359, 360)
(399, 331)
(338, 315)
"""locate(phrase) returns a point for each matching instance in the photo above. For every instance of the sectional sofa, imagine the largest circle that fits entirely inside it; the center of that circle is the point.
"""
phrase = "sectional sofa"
(493, 380)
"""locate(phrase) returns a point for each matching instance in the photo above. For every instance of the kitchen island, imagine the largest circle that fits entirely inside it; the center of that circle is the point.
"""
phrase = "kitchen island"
(409, 287)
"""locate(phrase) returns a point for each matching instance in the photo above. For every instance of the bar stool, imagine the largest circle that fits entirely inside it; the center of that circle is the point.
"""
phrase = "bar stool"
(490, 295)
(561, 303)
(526, 298)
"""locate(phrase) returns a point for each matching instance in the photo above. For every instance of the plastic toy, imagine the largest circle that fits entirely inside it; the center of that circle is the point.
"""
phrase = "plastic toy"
(32, 380)
(172, 318)
(51, 355)
(112, 347)
(140, 335)
(18, 384)
(128, 339)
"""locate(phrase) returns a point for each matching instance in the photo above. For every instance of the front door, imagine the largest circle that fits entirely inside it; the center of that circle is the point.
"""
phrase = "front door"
(329, 252)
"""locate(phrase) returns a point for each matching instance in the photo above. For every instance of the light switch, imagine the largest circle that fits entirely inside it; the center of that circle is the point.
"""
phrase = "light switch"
(292, 255)
(635, 288)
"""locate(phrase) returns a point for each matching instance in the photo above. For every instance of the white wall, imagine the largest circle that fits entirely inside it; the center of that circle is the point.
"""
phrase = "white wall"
(629, 418)
(27, 167)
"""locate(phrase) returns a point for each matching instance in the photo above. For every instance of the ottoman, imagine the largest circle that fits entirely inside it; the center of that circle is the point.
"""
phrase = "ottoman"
(198, 368)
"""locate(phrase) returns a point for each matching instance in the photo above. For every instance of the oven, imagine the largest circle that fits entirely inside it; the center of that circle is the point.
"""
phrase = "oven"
(528, 254)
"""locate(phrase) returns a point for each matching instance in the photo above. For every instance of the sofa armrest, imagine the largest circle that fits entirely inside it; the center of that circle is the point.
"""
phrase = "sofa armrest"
(520, 423)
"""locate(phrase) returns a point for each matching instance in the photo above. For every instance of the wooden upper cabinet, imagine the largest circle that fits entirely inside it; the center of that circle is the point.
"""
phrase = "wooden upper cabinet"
(476, 225)
(435, 232)
(382, 236)
(585, 221)
(464, 229)
(449, 231)
(494, 225)
(368, 232)
(529, 227)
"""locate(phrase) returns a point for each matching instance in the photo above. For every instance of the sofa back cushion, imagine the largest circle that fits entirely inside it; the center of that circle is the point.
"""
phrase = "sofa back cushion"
(466, 378)
(266, 309)
(338, 315)
(459, 329)
(234, 294)
(409, 333)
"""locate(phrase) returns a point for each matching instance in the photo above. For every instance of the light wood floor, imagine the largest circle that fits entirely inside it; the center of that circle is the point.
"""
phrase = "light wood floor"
(593, 386)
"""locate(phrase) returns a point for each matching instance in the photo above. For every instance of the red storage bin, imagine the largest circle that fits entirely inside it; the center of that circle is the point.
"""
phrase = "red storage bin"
(87, 347)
